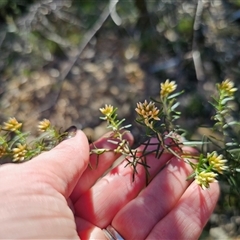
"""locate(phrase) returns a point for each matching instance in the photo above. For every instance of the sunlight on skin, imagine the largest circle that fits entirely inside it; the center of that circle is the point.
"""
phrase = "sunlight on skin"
(117, 184)
(40, 189)
(152, 204)
(188, 217)
(90, 176)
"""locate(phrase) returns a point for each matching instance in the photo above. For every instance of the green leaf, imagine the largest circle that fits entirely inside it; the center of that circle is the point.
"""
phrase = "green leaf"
(233, 123)
(175, 106)
(194, 143)
(224, 111)
(230, 144)
(232, 181)
(236, 150)
(126, 126)
(191, 176)
(174, 95)
(225, 100)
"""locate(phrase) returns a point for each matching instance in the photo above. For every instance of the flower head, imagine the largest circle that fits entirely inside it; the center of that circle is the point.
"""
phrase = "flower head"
(217, 162)
(227, 87)
(19, 152)
(107, 110)
(167, 87)
(148, 111)
(205, 178)
(12, 125)
(44, 125)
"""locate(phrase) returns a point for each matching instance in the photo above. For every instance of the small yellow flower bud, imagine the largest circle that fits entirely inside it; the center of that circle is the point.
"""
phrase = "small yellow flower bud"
(227, 87)
(12, 125)
(19, 152)
(107, 110)
(205, 178)
(217, 162)
(44, 125)
(148, 112)
(167, 87)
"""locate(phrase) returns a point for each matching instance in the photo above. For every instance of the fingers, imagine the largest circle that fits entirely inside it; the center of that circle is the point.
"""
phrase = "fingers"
(99, 164)
(167, 196)
(154, 202)
(63, 165)
(101, 203)
(189, 216)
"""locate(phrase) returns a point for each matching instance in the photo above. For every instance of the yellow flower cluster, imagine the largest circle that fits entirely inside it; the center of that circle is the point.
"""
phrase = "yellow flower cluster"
(148, 111)
(167, 87)
(19, 152)
(217, 162)
(14, 142)
(227, 87)
(107, 110)
(205, 178)
(12, 125)
(44, 125)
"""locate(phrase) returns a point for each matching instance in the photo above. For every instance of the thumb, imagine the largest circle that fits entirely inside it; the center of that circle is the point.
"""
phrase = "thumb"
(62, 166)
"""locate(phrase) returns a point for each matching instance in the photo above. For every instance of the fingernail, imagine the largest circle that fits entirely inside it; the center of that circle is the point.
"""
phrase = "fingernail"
(70, 132)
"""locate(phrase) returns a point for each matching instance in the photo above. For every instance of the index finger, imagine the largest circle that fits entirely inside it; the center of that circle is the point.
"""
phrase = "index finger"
(99, 164)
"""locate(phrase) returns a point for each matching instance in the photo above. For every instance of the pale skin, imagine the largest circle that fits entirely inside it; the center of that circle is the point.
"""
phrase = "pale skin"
(57, 196)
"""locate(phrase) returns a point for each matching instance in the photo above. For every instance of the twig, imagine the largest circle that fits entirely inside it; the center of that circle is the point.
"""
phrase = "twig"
(87, 38)
(195, 48)
(116, 19)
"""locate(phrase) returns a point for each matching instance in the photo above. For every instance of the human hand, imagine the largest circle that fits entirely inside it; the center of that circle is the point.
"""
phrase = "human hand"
(170, 207)
(35, 195)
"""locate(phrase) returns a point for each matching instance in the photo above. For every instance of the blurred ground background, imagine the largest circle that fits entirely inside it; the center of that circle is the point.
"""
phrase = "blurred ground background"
(63, 60)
